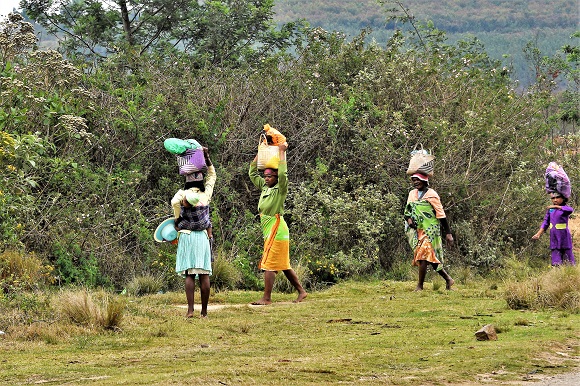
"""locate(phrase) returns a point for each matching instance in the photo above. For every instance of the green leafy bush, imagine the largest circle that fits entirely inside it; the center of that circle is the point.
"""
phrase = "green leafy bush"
(74, 266)
(86, 179)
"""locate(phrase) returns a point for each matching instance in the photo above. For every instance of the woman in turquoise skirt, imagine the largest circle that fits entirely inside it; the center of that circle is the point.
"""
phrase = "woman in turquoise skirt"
(194, 249)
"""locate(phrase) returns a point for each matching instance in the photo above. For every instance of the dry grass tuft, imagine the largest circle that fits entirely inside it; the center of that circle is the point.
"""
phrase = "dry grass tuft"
(50, 333)
(145, 285)
(99, 310)
(558, 288)
(224, 274)
(22, 271)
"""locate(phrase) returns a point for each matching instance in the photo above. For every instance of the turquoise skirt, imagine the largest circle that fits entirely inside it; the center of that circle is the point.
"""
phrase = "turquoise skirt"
(193, 251)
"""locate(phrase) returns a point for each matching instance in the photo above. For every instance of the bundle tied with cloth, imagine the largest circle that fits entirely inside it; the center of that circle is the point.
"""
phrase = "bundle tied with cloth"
(422, 161)
(557, 180)
(268, 152)
(190, 157)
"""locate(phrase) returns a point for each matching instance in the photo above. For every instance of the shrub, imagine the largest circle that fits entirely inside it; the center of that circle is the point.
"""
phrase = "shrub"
(75, 266)
(401, 270)
(282, 284)
(343, 230)
(21, 271)
(162, 265)
(23, 308)
(321, 270)
(248, 272)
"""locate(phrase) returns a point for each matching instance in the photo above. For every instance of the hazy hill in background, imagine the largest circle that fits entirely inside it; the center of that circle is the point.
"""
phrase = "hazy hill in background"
(503, 26)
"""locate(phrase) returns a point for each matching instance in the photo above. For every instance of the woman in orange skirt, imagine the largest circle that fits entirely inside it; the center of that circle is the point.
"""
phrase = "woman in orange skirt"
(276, 255)
(425, 216)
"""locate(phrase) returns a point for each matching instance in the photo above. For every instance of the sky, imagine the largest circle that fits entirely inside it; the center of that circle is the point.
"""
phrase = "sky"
(7, 5)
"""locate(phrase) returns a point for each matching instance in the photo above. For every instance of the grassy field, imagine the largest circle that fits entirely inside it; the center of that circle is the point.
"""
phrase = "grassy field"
(374, 332)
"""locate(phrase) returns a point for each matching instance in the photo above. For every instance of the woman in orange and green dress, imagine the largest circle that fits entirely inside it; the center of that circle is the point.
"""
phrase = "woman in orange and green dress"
(425, 217)
(276, 253)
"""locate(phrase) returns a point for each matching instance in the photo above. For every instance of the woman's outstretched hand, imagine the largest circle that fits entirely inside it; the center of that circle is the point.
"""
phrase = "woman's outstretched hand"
(449, 239)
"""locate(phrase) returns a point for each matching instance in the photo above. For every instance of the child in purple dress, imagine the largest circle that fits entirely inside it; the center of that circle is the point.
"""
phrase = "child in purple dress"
(556, 220)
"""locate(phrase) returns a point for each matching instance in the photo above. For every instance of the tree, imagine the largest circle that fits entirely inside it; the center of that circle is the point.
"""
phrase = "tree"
(217, 32)
(98, 28)
(227, 32)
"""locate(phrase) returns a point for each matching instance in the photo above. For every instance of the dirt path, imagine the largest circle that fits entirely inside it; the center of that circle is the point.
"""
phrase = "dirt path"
(569, 379)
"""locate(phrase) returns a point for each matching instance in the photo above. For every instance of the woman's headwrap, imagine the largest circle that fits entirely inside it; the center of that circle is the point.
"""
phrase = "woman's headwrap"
(272, 171)
(422, 177)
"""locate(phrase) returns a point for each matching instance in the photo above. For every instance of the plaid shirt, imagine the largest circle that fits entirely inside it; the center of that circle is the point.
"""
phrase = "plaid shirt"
(195, 218)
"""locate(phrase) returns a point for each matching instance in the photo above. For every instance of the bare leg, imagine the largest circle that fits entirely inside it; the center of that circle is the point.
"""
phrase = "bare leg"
(189, 294)
(204, 289)
(266, 299)
(293, 278)
(448, 280)
(422, 274)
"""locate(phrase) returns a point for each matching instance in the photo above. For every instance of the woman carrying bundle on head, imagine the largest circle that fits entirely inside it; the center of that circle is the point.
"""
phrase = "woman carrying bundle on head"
(276, 254)
(557, 215)
(192, 221)
(424, 216)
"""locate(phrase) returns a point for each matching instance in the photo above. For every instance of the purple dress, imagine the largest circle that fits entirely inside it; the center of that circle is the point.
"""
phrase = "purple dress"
(560, 238)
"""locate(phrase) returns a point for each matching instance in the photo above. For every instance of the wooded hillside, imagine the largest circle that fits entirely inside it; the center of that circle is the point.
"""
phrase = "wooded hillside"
(503, 26)
(450, 15)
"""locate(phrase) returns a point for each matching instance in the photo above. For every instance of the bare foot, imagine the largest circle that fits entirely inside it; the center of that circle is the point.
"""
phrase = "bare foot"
(449, 284)
(261, 302)
(301, 296)
(203, 316)
(189, 315)
(418, 289)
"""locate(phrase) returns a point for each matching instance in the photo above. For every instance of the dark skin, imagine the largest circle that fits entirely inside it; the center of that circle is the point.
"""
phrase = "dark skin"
(204, 282)
(422, 186)
(271, 179)
(557, 203)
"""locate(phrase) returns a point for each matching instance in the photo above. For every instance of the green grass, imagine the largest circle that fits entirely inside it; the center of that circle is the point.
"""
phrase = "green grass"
(355, 333)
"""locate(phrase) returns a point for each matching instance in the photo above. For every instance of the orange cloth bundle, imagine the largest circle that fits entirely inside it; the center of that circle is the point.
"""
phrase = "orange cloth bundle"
(273, 136)
(268, 151)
